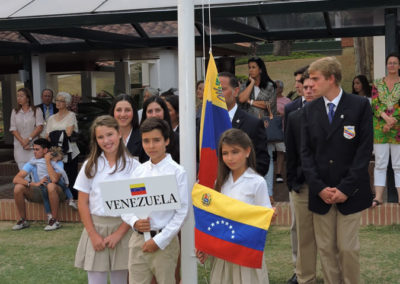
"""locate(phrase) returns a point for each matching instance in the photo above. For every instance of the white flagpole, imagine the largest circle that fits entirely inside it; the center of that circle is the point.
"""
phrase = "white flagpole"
(187, 134)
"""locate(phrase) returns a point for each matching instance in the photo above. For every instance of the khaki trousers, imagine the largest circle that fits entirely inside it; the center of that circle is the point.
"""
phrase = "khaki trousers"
(338, 246)
(293, 233)
(143, 265)
(306, 265)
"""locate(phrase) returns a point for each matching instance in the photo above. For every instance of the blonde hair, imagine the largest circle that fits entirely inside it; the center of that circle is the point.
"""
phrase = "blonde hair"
(232, 137)
(327, 66)
(95, 150)
(56, 151)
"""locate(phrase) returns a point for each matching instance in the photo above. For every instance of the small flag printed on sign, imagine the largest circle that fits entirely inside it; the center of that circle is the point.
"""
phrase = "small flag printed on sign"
(138, 189)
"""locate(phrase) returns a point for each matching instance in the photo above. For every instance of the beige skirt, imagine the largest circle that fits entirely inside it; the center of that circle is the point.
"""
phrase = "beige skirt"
(225, 272)
(108, 259)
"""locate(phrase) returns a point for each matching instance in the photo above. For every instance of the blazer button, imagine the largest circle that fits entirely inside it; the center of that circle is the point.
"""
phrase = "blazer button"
(330, 161)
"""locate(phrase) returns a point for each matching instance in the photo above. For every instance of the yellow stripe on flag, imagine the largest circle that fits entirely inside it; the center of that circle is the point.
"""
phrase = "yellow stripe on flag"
(137, 185)
(230, 208)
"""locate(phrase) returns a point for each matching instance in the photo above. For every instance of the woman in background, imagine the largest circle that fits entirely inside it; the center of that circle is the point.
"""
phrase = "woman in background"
(124, 111)
(173, 108)
(361, 87)
(386, 110)
(259, 98)
(61, 130)
(26, 124)
(260, 90)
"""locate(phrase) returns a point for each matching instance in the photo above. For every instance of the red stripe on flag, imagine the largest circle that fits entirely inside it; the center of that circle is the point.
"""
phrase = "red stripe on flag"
(208, 167)
(133, 193)
(228, 251)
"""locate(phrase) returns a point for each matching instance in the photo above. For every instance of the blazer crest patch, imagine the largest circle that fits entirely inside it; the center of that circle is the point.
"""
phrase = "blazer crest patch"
(349, 131)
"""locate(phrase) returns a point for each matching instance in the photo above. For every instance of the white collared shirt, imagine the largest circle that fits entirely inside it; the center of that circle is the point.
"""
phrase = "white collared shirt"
(128, 137)
(250, 187)
(335, 101)
(169, 221)
(232, 112)
(91, 186)
(256, 91)
(303, 100)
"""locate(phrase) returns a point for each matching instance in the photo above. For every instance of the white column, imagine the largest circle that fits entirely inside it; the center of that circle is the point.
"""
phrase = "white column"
(168, 66)
(122, 80)
(199, 69)
(88, 85)
(379, 57)
(187, 128)
(154, 72)
(38, 77)
(145, 74)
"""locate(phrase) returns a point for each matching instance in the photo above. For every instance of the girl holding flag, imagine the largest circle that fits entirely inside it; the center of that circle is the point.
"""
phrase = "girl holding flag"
(237, 178)
(103, 246)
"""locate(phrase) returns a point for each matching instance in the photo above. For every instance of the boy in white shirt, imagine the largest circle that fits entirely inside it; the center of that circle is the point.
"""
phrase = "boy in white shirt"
(157, 256)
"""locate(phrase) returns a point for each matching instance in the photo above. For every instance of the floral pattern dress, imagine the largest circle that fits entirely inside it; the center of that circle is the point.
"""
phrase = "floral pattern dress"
(386, 101)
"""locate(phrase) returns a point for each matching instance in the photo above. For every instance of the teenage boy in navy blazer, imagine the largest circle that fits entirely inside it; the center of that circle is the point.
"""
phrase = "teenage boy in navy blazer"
(306, 263)
(336, 148)
(289, 108)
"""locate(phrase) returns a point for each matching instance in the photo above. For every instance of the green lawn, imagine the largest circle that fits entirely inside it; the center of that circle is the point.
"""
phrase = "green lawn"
(35, 256)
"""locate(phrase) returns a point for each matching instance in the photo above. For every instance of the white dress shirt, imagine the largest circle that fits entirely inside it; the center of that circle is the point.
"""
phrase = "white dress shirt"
(91, 186)
(335, 101)
(250, 187)
(232, 112)
(169, 221)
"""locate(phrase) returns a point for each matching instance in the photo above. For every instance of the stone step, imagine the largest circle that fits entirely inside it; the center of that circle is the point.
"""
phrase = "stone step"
(386, 214)
(35, 211)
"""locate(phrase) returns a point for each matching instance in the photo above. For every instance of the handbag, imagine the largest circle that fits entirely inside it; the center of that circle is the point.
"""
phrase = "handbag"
(273, 126)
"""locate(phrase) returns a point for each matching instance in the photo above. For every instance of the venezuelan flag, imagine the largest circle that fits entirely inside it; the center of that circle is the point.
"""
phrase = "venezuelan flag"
(214, 121)
(138, 189)
(228, 228)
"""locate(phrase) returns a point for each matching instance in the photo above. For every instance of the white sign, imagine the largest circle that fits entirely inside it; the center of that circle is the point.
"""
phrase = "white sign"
(140, 196)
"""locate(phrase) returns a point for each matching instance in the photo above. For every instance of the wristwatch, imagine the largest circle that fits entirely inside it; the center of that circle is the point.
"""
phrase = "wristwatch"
(30, 139)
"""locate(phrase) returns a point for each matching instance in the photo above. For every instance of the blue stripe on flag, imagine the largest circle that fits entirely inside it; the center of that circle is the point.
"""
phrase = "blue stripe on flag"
(228, 230)
(212, 130)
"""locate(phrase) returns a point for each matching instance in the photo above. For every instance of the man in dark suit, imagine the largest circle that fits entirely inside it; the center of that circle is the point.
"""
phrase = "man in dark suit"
(240, 119)
(299, 101)
(47, 106)
(293, 106)
(306, 261)
(336, 148)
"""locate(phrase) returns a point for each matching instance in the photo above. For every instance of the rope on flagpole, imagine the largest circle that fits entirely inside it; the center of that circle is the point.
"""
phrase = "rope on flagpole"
(203, 61)
(209, 23)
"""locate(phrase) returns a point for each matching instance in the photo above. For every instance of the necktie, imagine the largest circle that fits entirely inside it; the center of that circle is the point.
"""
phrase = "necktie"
(331, 111)
(304, 103)
(47, 112)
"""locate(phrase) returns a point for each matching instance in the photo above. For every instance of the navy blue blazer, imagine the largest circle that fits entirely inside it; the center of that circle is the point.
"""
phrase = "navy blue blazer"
(295, 105)
(338, 154)
(55, 110)
(294, 172)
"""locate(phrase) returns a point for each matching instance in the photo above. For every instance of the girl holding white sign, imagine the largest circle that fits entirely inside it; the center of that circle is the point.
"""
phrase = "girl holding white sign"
(103, 246)
(237, 178)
